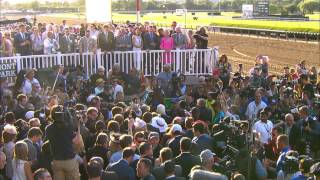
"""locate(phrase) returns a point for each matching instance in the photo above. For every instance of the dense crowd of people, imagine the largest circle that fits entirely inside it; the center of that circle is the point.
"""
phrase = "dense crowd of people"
(227, 125)
(25, 39)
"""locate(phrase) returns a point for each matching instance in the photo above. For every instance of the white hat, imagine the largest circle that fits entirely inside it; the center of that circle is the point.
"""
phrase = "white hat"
(29, 115)
(10, 129)
(160, 123)
(139, 123)
(176, 127)
(161, 109)
(90, 97)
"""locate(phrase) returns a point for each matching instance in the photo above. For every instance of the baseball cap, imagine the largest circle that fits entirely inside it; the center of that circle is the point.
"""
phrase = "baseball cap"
(10, 129)
(176, 127)
(206, 155)
(29, 115)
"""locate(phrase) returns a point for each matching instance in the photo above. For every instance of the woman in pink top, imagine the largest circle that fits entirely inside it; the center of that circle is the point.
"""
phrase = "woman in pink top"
(167, 44)
(7, 44)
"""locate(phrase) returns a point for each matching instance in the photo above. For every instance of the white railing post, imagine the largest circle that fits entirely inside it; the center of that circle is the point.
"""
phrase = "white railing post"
(98, 59)
(18, 62)
(59, 57)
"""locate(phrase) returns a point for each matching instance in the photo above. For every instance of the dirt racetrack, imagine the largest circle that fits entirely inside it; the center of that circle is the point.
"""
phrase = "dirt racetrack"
(244, 49)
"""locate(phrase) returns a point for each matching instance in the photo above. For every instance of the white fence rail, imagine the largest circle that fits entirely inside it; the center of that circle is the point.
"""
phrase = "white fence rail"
(187, 62)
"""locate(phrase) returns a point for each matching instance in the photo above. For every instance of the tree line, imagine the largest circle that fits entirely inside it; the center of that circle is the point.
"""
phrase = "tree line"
(283, 7)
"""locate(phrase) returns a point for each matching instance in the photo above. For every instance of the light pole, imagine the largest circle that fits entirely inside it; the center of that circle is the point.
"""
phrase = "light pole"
(138, 6)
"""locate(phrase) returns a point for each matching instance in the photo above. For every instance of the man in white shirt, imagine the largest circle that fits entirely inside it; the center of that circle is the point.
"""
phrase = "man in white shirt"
(29, 80)
(50, 44)
(255, 106)
(263, 127)
(116, 88)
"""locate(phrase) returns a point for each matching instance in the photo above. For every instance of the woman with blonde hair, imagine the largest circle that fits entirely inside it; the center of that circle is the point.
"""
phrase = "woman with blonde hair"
(21, 167)
(9, 135)
(7, 45)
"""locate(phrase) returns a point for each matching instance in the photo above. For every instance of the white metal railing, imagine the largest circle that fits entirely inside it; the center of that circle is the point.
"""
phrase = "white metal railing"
(187, 62)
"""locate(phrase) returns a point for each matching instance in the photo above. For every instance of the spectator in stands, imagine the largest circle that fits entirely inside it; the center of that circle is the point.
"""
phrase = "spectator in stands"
(283, 146)
(29, 80)
(87, 43)
(144, 167)
(201, 38)
(51, 45)
(9, 135)
(37, 41)
(106, 40)
(137, 45)
(164, 79)
(191, 41)
(186, 160)
(42, 174)
(7, 45)
(33, 140)
(225, 70)
(21, 108)
(205, 113)
(22, 42)
(263, 127)
(201, 139)
(165, 155)
(150, 39)
(207, 159)
(255, 106)
(174, 143)
(123, 41)
(122, 168)
(167, 44)
(67, 42)
(21, 165)
(100, 149)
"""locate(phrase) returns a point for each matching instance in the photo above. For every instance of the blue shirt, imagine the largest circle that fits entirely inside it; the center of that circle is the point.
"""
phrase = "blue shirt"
(282, 158)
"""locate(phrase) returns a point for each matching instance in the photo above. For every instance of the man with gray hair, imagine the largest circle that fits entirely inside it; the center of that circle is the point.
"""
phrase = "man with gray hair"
(99, 75)
(288, 123)
(207, 159)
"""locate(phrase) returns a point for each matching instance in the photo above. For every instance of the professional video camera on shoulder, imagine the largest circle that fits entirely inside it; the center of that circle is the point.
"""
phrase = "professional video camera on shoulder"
(65, 117)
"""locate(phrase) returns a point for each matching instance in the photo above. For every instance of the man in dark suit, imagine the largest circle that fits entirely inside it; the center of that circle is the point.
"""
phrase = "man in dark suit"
(150, 42)
(186, 160)
(151, 39)
(106, 41)
(201, 139)
(159, 172)
(205, 113)
(169, 168)
(122, 168)
(305, 132)
(67, 42)
(22, 41)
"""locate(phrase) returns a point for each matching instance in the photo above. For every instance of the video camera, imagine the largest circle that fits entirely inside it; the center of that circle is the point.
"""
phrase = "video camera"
(68, 117)
(231, 132)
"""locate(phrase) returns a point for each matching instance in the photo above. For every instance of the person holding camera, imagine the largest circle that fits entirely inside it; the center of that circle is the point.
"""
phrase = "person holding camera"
(62, 137)
(304, 133)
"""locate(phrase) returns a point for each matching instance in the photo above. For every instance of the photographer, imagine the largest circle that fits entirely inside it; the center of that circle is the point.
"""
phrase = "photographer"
(62, 138)
(305, 133)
